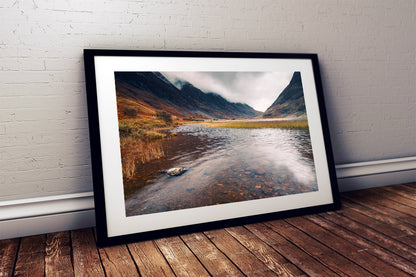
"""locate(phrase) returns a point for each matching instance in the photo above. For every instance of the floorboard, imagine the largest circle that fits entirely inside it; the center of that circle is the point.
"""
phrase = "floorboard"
(117, 261)
(248, 263)
(31, 256)
(265, 253)
(8, 254)
(324, 250)
(149, 260)
(365, 245)
(295, 255)
(211, 257)
(87, 261)
(374, 234)
(180, 257)
(58, 255)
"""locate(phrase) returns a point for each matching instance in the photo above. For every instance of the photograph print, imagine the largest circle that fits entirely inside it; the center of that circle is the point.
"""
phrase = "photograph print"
(201, 138)
(189, 141)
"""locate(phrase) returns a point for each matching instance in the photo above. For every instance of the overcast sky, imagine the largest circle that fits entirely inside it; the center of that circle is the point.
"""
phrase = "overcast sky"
(257, 89)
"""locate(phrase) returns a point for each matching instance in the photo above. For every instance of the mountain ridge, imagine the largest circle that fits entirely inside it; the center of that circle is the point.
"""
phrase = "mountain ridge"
(153, 90)
(290, 102)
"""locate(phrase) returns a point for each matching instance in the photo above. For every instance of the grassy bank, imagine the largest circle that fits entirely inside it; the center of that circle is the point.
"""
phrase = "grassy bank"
(141, 138)
(140, 141)
(252, 124)
(136, 152)
(144, 129)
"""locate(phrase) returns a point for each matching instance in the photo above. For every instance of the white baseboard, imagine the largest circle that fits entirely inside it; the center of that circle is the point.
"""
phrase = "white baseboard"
(25, 217)
(49, 205)
(355, 176)
(46, 224)
(41, 215)
(375, 167)
(376, 180)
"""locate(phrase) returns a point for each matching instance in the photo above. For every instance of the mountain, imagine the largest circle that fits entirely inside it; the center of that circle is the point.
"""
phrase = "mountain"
(290, 102)
(148, 92)
(215, 105)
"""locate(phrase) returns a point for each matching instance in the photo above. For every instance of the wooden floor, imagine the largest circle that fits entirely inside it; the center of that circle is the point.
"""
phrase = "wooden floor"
(373, 234)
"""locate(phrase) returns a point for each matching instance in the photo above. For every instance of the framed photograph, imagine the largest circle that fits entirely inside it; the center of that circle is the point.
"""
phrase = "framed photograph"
(190, 141)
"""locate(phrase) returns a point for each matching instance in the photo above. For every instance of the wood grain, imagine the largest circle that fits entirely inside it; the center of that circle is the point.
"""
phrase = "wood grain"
(295, 255)
(85, 254)
(369, 197)
(265, 253)
(405, 191)
(58, 255)
(213, 260)
(365, 245)
(380, 226)
(180, 258)
(349, 250)
(324, 254)
(8, 254)
(149, 260)
(410, 188)
(379, 205)
(117, 261)
(380, 215)
(397, 196)
(372, 235)
(249, 264)
(31, 257)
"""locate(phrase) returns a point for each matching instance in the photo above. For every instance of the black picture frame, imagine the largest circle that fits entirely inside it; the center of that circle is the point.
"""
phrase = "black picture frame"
(112, 223)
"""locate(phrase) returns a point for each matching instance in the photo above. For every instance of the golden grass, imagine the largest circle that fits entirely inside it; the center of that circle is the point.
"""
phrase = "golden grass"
(144, 129)
(140, 137)
(252, 124)
(134, 152)
(140, 142)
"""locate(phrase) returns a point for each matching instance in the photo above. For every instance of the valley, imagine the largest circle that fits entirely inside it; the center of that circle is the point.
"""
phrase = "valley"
(231, 152)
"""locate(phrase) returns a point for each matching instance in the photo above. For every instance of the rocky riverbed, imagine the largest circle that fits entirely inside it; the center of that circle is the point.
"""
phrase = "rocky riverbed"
(223, 165)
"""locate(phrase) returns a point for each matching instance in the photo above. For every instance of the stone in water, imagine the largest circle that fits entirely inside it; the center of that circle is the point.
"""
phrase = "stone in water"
(175, 171)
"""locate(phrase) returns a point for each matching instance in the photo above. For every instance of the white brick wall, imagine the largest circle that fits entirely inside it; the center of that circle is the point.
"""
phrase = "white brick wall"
(366, 49)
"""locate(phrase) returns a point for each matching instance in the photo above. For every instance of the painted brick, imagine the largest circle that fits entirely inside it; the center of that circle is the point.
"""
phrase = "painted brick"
(24, 77)
(366, 50)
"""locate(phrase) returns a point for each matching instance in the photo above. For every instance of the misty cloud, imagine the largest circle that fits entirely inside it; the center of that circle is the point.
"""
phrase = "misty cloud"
(257, 89)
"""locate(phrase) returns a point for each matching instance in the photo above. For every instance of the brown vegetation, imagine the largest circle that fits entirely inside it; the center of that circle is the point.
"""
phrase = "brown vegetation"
(135, 152)
(140, 140)
(254, 124)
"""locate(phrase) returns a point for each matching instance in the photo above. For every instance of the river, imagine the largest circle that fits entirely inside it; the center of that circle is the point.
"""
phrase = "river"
(223, 165)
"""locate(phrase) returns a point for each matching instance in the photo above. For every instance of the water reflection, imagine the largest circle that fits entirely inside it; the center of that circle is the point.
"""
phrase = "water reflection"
(224, 165)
